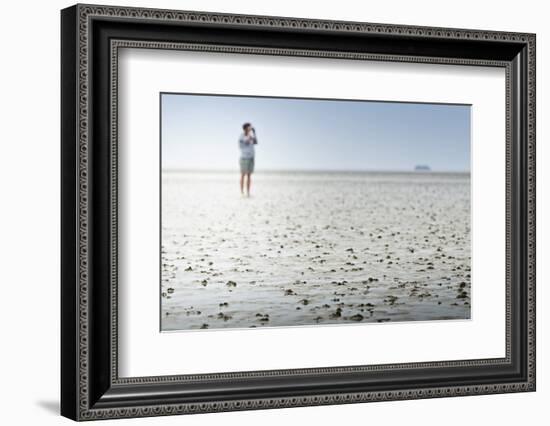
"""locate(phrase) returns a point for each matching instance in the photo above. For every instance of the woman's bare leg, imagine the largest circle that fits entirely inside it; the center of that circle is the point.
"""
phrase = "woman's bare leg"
(242, 183)
(248, 184)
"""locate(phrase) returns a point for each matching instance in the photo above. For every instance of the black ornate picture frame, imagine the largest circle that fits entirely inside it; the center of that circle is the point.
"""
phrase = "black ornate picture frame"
(90, 385)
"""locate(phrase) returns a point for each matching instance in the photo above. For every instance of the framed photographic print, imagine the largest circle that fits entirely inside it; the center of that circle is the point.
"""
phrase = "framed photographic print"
(263, 212)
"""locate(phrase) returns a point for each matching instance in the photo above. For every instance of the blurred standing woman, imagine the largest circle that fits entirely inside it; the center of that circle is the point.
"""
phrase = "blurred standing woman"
(247, 140)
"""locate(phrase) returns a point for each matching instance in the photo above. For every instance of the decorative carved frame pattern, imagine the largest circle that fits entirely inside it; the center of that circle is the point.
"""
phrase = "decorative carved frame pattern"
(87, 12)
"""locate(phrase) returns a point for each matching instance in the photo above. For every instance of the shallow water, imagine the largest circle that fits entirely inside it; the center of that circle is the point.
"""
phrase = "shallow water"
(314, 248)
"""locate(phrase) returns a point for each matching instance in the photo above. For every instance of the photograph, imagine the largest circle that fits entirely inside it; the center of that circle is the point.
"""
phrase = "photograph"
(281, 212)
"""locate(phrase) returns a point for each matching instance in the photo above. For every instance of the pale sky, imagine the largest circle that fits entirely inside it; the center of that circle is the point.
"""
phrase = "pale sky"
(200, 132)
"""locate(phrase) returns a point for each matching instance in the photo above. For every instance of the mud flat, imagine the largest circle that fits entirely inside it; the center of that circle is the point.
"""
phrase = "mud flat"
(314, 248)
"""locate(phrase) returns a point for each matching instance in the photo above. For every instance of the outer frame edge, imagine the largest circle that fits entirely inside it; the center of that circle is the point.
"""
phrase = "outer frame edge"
(84, 413)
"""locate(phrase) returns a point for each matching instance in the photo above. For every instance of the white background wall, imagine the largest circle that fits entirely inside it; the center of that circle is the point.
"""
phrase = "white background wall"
(29, 211)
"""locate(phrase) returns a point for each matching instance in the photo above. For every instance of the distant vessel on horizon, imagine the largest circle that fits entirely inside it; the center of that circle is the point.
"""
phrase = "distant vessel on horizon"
(422, 168)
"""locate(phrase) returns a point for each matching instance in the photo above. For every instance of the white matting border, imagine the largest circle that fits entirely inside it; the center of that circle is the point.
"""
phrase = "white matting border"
(144, 351)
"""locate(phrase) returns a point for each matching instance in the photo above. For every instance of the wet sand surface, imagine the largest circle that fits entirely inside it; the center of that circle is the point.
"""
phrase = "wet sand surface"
(313, 248)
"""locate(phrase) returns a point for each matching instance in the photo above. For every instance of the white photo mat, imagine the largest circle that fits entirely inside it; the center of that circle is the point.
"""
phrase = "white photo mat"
(145, 351)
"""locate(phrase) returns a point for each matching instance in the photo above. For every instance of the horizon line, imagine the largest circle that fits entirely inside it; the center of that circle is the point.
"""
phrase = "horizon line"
(236, 170)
